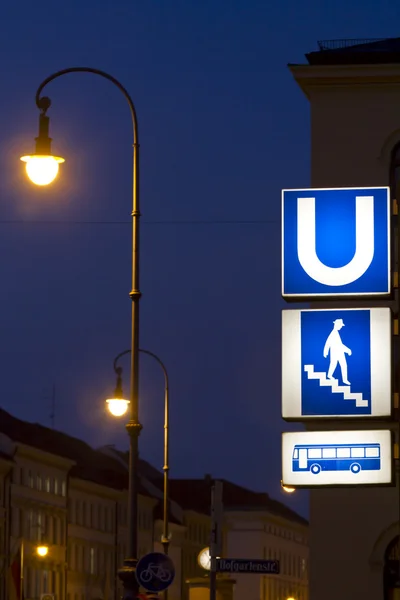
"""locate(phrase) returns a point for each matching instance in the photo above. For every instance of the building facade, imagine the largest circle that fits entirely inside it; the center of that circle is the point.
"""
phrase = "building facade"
(58, 492)
(353, 90)
(254, 526)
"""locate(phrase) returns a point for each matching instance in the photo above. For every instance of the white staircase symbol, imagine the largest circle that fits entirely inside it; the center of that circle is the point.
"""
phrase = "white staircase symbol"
(333, 384)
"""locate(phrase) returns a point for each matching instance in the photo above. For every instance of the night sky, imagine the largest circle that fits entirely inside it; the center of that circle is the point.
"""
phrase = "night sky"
(223, 127)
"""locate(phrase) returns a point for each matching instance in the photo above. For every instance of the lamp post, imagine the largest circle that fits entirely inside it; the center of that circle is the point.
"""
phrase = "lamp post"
(42, 168)
(118, 406)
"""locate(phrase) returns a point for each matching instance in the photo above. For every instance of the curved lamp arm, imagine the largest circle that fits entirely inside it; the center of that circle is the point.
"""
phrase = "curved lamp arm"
(43, 102)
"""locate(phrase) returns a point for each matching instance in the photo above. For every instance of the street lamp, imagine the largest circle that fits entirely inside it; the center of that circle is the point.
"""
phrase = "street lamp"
(287, 488)
(42, 168)
(118, 406)
(42, 550)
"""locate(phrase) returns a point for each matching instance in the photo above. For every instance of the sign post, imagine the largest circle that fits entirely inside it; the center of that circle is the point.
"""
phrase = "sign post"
(216, 534)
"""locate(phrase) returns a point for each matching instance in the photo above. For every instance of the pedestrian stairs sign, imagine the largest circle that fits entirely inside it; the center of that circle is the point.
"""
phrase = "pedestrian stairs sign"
(336, 363)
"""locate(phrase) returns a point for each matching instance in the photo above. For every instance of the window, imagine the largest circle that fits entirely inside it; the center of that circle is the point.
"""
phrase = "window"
(55, 531)
(38, 482)
(30, 479)
(84, 519)
(92, 516)
(329, 453)
(78, 512)
(63, 488)
(55, 485)
(47, 484)
(357, 452)
(314, 453)
(372, 452)
(45, 582)
(39, 526)
(92, 561)
(343, 452)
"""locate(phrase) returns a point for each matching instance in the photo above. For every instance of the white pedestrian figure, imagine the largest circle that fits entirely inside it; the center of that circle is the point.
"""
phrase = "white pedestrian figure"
(337, 350)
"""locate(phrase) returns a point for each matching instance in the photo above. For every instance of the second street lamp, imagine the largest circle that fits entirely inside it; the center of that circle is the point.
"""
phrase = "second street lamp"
(42, 168)
(118, 407)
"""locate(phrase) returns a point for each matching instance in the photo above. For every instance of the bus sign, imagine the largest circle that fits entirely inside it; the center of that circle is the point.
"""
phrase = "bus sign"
(329, 458)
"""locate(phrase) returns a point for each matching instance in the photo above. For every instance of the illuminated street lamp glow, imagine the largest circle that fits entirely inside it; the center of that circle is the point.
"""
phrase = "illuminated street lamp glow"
(42, 169)
(42, 551)
(289, 490)
(117, 406)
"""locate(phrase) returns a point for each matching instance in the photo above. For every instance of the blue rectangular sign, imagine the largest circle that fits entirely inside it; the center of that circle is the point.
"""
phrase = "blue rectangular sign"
(336, 363)
(335, 242)
(245, 565)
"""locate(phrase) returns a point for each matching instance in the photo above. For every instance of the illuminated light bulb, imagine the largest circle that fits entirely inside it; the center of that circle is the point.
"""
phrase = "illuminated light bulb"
(42, 169)
(42, 550)
(117, 406)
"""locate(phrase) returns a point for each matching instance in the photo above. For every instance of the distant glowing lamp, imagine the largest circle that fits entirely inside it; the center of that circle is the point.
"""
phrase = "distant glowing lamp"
(289, 490)
(42, 551)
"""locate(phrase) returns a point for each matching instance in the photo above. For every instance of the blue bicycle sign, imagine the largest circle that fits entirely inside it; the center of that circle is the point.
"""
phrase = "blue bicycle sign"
(155, 572)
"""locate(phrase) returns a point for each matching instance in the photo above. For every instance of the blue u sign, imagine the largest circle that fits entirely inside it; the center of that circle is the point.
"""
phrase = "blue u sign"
(335, 242)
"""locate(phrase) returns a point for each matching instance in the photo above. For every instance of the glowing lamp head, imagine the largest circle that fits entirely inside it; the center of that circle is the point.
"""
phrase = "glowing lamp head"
(117, 406)
(42, 169)
(287, 488)
(42, 166)
(42, 551)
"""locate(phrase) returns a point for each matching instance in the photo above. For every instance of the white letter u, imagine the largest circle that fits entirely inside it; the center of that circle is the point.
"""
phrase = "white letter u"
(306, 243)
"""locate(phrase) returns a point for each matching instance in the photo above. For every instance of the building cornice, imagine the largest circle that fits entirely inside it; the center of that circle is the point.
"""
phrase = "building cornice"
(310, 77)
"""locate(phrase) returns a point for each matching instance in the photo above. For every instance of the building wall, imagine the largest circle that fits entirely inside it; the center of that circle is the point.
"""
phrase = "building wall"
(354, 125)
(5, 471)
(264, 536)
(38, 515)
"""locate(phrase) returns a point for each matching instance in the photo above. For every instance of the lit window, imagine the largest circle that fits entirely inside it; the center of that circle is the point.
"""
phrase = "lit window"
(357, 452)
(63, 488)
(47, 484)
(38, 482)
(55, 485)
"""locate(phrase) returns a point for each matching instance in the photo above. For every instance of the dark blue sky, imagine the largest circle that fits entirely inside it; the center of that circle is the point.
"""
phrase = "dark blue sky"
(223, 128)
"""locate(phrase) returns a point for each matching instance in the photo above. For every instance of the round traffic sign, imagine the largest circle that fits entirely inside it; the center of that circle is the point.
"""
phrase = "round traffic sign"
(155, 572)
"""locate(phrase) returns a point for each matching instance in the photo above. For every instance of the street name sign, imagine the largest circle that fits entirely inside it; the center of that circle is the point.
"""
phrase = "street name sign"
(335, 242)
(336, 458)
(244, 565)
(336, 363)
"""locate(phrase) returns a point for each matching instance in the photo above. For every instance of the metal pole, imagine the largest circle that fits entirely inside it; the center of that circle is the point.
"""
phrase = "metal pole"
(21, 582)
(127, 572)
(216, 535)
